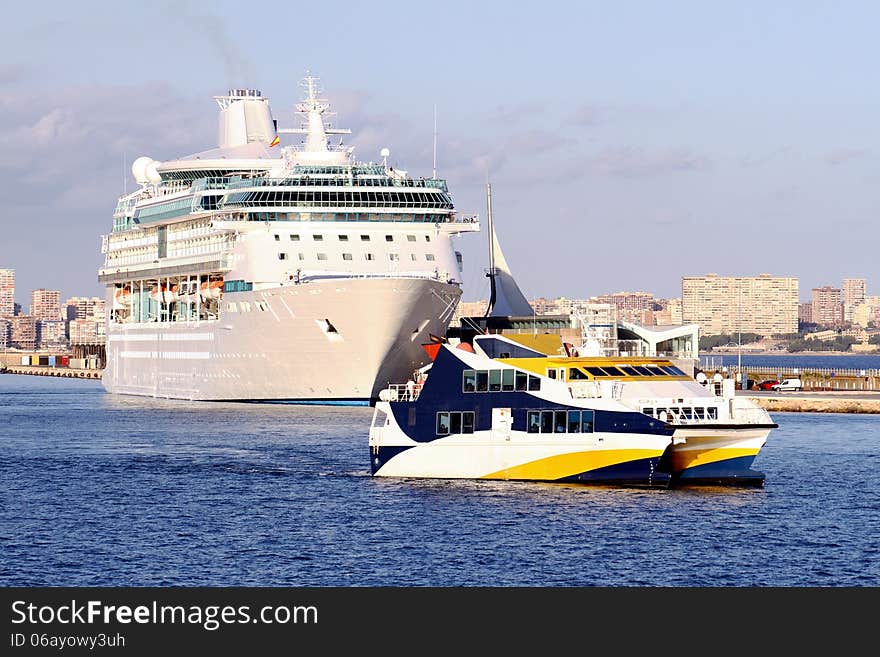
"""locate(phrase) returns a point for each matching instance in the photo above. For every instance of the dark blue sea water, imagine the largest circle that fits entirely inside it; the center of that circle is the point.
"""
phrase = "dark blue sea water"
(117, 491)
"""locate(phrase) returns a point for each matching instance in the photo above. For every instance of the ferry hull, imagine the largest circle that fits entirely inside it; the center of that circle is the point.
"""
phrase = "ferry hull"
(600, 458)
(337, 341)
(715, 457)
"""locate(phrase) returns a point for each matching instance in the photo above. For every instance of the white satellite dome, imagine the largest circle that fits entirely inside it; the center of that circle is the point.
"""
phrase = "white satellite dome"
(139, 169)
(152, 172)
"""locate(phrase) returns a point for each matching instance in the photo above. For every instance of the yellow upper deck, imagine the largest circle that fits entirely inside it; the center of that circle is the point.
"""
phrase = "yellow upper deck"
(587, 368)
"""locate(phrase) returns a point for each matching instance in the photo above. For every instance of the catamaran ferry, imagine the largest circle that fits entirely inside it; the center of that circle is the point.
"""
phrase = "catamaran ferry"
(500, 408)
(257, 271)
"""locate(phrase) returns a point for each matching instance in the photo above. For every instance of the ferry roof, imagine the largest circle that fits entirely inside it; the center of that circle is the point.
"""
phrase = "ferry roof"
(593, 367)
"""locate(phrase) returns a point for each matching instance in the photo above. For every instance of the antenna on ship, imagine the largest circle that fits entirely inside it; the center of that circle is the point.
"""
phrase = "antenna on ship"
(434, 167)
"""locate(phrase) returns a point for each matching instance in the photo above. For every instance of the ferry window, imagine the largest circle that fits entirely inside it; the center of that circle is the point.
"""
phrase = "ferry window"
(699, 413)
(343, 238)
(411, 416)
(318, 238)
(494, 380)
(662, 414)
(394, 256)
(674, 370)
(533, 422)
(346, 256)
(551, 373)
(534, 382)
(482, 380)
(429, 257)
(412, 256)
(507, 380)
(712, 413)
(468, 380)
(546, 421)
(504, 354)
(629, 371)
(674, 411)
(389, 238)
(467, 422)
(644, 371)
(230, 307)
(294, 238)
(365, 238)
(245, 307)
(442, 424)
(521, 380)
(427, 238)
(559, 424)
(410, 238)
(574, 374)
(455, 423)
(596, 371)
(586, 421)
(613, 371)
(278, 238)
(322, 256)
(574, 422)
(647, 410)
(282, 256)
(368, 256)
(302, 256)
(686, 412)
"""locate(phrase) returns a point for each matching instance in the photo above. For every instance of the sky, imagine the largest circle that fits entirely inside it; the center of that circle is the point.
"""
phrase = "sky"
(627, 143)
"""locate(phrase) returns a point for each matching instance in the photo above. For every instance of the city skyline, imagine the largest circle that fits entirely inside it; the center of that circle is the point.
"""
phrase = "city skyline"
(691, 138)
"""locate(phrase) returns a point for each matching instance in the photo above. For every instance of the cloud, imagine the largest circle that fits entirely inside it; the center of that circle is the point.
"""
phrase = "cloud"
(57, 141)
(635, 162)
(842, 155)
(11, 73)
(585, 115)
(507, 115)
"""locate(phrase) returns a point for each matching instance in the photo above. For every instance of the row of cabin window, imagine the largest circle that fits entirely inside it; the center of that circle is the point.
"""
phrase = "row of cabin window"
(344, 238)
(685, 412)
(393, 257)
(575, 373)
(449, 422)
(559, 421)
(506, 380)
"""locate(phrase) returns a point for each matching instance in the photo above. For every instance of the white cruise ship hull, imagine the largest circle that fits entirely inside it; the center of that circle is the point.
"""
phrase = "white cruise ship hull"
(333, 341)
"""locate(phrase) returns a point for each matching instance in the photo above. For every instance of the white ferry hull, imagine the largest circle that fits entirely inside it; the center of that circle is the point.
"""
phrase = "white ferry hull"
(287, 351)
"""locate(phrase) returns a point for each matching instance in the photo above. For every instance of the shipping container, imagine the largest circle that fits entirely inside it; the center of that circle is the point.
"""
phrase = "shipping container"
(77, 363)
(43, 361)
(52, 361)
(35, 360)
(25, 360)
(65, 361)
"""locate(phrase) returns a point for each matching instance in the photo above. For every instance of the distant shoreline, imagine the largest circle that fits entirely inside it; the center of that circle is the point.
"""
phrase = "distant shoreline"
(788, 353)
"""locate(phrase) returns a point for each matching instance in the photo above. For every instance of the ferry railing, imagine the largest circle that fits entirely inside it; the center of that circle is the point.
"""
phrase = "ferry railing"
(408, 391)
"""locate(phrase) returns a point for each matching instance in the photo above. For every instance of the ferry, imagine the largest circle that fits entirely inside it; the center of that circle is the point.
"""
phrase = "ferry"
(501, 407)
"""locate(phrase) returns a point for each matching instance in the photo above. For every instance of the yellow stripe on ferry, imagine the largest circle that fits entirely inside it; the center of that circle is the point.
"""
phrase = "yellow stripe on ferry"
(692, 458)
(567, 465)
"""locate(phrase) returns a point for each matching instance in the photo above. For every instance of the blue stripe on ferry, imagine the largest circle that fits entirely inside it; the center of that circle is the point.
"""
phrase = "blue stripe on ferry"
(730, 471)
(385, 454)
(442, 392)
(642, 472)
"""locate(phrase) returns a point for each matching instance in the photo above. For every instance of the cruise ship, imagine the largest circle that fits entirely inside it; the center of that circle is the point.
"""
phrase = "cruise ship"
(259, 271)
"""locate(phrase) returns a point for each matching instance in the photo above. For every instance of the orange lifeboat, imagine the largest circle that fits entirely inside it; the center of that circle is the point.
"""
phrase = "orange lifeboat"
(211, 289)
(122, 297)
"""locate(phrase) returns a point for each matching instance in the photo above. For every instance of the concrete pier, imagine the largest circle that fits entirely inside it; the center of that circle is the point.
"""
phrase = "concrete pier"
(816, 402)
(65, 372)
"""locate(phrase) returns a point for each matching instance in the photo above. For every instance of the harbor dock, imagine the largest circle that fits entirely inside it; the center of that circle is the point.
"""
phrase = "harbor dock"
(815, 402)
(67, 372)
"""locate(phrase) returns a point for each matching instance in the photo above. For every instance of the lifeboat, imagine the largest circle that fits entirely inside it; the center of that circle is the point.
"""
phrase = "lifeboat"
(122, 297)
(211, 289)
